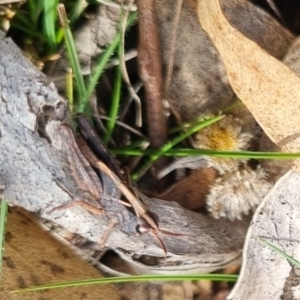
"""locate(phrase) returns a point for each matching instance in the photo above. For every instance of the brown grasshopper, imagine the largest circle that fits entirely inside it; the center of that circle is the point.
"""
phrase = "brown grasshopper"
(83, 174)
(131, 223)
(141, 219)
(145, 223)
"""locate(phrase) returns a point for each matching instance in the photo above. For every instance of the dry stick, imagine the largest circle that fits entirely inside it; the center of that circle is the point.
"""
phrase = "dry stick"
(95, 113)
(134, 161)
(138, 118)
(130, 54)
(171, 62)
(149, 60)
(98, 118)
(127, 101)
(129, 128)
(173, 44)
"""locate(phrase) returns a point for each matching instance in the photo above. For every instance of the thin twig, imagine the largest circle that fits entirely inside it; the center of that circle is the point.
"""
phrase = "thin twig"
(97, 119)
(95, 113)
(170, 65)
(130, 54)
(173, 44)
(129, 128)
(149, 59)
(138, 119)
(134, 161)
(127, 101)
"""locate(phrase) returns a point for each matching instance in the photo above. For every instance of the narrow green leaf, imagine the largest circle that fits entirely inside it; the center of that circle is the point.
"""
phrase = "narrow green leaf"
(199, 152)
(3, 217)
(168, 146)
(143, 278)
(20, 17)
(49, 21)
(101, 64)
(35, 9)
(113, 113)
(74, 61)
(30, 30)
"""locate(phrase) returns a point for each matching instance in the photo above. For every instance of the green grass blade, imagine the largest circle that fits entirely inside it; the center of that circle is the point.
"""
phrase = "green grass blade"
(102, 62)
(35, 9)
(168, 146)
(143, 278)
(274, 248)
(3, 217)
(20, 17)
(114, 108)
(31, 31)
(49, 21)
(217, 153)
(104, 57)
(74, 61)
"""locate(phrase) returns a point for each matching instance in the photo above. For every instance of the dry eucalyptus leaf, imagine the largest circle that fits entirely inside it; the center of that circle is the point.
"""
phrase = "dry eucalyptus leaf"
(262, 82)
(199, 83)
(271, 91)
(32, 257)
(276, 168)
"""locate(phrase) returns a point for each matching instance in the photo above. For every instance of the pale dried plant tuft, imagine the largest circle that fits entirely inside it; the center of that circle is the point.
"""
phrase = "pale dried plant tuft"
(237, 193)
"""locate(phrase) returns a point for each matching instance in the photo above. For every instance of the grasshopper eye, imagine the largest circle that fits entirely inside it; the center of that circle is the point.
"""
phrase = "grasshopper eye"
(142, 229)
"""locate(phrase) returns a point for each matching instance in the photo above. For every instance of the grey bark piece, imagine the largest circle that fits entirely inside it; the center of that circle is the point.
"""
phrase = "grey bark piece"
(35, 173)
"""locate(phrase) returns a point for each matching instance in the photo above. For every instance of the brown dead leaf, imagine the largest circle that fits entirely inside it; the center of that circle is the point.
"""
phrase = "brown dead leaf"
(261, 81)
(271, 91)
(32, 257)
(277, 168)
(191, 191)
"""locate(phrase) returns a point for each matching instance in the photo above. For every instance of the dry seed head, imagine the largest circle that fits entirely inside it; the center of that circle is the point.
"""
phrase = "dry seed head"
(223, 135)
(237, 193)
